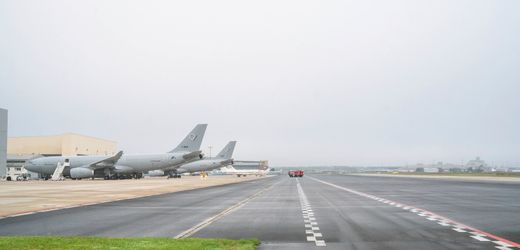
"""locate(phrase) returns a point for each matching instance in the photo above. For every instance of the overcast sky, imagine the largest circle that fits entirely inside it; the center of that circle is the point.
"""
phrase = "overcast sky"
(295, 82)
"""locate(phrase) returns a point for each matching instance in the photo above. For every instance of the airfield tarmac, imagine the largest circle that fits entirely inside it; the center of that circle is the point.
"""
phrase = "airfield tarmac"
(21, 197)
(337, 212)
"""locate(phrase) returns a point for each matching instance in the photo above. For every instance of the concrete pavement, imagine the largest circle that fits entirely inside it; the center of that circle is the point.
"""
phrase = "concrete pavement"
(17, 197)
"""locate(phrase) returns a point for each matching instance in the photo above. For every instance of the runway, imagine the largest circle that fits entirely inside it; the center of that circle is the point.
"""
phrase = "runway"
(336, 212)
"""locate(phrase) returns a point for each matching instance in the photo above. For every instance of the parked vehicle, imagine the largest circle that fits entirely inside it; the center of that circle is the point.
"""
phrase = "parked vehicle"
(295, 173)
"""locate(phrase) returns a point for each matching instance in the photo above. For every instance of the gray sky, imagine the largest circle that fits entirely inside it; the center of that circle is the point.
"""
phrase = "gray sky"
(295, 82)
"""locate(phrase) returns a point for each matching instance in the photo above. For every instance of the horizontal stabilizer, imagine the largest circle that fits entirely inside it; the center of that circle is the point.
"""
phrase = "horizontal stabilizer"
(226, 162)
(192, 155)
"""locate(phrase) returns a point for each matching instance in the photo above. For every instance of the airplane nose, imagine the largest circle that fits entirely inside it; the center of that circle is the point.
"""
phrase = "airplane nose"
(29, 165)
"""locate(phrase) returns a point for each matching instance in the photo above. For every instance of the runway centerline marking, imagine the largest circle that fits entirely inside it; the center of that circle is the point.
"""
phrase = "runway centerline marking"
(218, 216)
(474, 233)
(308, 218)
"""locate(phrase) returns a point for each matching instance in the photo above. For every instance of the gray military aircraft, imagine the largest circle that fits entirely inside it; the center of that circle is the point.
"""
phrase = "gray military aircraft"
(221, 160)
(121, 166)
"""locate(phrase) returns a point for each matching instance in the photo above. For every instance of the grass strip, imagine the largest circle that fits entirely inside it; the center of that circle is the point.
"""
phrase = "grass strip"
(80, 242)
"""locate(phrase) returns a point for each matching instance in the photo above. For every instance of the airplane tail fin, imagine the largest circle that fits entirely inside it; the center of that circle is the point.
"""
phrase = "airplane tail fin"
(227, 151)
(192, 141)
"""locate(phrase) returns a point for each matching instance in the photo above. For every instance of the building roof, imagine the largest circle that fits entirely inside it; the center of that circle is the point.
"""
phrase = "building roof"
(62, 135)
(19, 157)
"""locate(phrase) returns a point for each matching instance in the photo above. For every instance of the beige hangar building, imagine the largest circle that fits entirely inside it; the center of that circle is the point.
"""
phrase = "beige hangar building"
(68, 144)
(20, 149)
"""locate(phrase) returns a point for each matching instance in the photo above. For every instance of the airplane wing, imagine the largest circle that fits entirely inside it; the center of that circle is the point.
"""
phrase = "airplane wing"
(226, 162)
(105, 163)
(192, 155)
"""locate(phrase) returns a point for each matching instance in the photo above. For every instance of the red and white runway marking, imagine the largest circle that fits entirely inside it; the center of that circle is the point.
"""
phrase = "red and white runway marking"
(501, 243)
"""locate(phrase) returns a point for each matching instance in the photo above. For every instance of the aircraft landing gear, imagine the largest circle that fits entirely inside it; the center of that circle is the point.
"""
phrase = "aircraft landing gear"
(173, 174)
(136, 176)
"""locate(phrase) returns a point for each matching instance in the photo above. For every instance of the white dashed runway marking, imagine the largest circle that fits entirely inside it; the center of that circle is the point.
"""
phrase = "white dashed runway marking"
(311, 225)
(210, 220)
(501, 243)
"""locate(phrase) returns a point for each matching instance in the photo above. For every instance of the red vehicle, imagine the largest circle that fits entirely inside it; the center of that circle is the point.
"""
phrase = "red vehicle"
(295, 173)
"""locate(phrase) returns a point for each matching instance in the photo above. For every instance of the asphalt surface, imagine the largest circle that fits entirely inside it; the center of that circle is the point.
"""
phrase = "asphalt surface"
(337, 212)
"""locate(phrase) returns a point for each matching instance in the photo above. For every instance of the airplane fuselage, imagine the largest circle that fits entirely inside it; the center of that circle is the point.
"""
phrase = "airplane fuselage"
(127, 164)
(244, 172)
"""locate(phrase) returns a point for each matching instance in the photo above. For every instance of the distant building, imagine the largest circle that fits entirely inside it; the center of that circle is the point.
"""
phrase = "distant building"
(66, 144)
(3, 143)
(246, 165)
(431, 170)
(476, 165)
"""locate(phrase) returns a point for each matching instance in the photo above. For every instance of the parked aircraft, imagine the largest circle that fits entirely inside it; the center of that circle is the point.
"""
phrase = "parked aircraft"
(221, 160)
(121, 166)
(241, 168)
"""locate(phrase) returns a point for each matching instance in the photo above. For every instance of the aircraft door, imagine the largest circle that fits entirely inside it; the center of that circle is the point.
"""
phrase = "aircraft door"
(66, 169)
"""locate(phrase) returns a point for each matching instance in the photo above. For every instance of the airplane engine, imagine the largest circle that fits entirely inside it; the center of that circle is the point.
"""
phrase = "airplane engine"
(81, 173)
